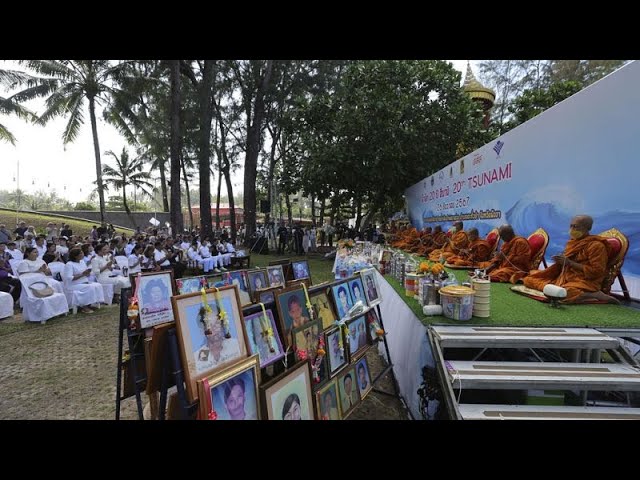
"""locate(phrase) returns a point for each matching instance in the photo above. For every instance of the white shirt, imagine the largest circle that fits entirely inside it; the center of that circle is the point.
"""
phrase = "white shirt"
(41, 250)
(229, 247)
(15, 254)
(62, 250)
(97, 264)
(185, 245)
(129, 248)
(204, 251)
(158, 255)
(71, 269)
(30, 266)
(134, 264)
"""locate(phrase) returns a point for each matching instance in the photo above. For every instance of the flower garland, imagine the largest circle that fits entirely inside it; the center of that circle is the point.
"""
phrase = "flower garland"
(312, 313)
(265, 329)
(133, 310)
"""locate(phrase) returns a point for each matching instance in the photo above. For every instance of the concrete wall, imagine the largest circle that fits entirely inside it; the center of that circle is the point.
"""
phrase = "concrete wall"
(117, 218)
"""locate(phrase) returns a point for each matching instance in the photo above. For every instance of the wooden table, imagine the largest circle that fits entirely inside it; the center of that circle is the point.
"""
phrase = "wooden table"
(240, 261)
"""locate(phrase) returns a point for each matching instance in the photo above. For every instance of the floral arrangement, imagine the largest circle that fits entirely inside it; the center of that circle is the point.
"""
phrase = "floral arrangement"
(437, 269)
(346, 243)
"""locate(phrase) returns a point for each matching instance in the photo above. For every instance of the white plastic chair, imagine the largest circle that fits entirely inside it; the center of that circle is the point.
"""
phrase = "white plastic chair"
(122, 261)
(56, 267)
(14, 266)
(6, 305)
(35, 309)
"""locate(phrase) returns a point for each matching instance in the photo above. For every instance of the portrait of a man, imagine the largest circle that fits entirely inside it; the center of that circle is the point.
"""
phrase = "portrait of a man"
(236, 399)
(327, 400)
(356, 291)
(336, 355)
(348, 392)
(363, 377)
(268, 347)
(342, 299)
(300, 270)
(293, 311)
(276, 277)
(371, 289)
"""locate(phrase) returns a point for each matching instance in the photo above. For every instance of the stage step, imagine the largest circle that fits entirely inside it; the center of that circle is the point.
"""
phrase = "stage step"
(515, 337)
(545, 412)
(542, 376)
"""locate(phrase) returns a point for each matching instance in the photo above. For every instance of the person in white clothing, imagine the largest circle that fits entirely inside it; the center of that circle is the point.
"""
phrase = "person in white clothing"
(102, 267)
(224, 256)
(62, 248)
(130, 246)
(89, 253)
(14, 252)
(76, 279)
(32, 266)
(41, 247)
(306, 242)
(134, 259)
(194, 256)
(161, 256)
(312, 239)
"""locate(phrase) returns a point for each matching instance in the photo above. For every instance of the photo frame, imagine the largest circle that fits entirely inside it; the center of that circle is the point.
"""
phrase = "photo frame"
(289, 396)
(266, 295)
(342, 298)
(275, 275)
(300, 270)
(356, 290)
(214, 281)
(257, 280)
(292, 311)
(371, 286)
(306, 338)
(348, 392)
(363, 377)
(207, 344)
(267, 346)
(190, 285)
(358, 336)
(373, 323)
(233, 393)
(323, 308)
(154, 298)
(239, 278)
(327, 403)
(296, 283)
(337, 351)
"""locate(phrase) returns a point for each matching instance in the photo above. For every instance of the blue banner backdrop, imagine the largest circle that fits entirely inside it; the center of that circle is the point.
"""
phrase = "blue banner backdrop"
(578, 157)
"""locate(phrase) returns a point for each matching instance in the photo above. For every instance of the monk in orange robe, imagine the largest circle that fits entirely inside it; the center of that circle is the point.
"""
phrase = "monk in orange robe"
(580, 269)
(479, 251)
(459, 241)
(438, 240)
(513, 261)
(423, 242)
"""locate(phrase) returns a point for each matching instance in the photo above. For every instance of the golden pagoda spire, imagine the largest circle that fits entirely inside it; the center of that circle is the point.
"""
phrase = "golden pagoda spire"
(476, 90)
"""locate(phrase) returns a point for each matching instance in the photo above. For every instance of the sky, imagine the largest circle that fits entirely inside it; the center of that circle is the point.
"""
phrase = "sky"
(45, 164)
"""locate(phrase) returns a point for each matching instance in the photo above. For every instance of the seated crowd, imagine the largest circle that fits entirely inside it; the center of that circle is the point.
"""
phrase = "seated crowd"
(83, 264)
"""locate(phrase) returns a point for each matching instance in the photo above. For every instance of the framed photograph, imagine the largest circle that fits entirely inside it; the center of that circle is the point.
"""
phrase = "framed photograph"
(342, 299)
(298, 283)
(276, 276)
(289, 396)
(190, 285)
(356, 291)
(239, 278)
(358, 337)
(385, 256)
(328, 406)
(306, 338)
(292, 312)
(323, 309)
(263, 337)
(373, 322)
(348, 392)
(257, 281)
(207, 343)
(300, 270)
(266, 295)
(154, 298)
(214, 281)
(371, 287)
(336, 351)
(232, 393)
(363, 376)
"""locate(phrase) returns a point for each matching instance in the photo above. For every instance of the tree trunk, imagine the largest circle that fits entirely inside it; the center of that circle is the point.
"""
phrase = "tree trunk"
(272, 167)
(163, 187)
(218, 197)
(204, 152)
(252, 152)
(313, 210)
(289, 213)
(321, 223)
(358, 214)
(96, 149)
(177, 221)
(186, 186)
(232, 204)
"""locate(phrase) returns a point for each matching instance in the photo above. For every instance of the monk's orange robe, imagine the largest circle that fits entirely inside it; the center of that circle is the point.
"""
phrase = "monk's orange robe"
(438, 241)
(459, 241)
(592, 252)
(479, 251)
(517, 263)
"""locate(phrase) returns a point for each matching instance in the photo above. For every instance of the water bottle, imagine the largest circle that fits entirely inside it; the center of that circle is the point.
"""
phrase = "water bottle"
(125, 271)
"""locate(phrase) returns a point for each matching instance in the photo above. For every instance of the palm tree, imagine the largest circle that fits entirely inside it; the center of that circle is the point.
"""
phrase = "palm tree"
(9, 106)
(67, 84)
(127, 173)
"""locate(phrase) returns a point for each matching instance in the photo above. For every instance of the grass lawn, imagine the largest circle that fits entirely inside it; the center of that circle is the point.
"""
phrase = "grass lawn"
(79, 227)
(511, 309)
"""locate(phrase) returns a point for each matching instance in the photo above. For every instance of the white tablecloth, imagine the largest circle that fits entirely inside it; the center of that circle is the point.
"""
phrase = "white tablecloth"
(408, 346)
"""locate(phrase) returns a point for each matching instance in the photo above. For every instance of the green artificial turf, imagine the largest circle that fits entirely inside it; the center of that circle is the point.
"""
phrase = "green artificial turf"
(511, 309)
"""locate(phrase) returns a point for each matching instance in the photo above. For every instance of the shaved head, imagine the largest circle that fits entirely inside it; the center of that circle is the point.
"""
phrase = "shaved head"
(583, 222)
(472, 233)
(506, 232)
(458, 225)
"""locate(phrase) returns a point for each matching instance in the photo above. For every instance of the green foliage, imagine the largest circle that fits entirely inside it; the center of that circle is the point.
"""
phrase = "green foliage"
(84, 206)
(533, 102)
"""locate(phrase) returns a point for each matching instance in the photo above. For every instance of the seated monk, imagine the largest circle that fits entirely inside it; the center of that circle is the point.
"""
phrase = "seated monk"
(479, 251)
(459, 241)
(512, 261)
(406, 238)
(438, 240)
(580, 269)
(424, 241)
